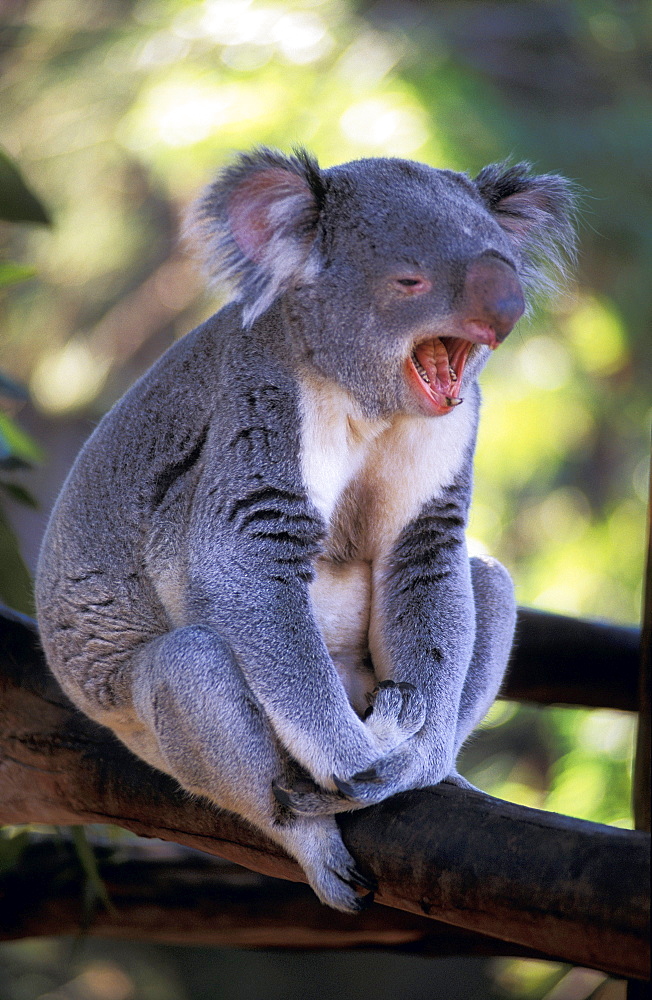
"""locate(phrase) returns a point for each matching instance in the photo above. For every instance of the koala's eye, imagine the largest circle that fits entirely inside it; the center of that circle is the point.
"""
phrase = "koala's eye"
(413, 285)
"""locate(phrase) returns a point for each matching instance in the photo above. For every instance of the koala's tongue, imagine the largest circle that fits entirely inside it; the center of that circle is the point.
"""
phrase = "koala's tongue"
(442, 364)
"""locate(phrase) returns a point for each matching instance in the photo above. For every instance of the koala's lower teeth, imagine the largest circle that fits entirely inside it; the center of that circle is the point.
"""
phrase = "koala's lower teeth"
(419, 367)
(452, 375)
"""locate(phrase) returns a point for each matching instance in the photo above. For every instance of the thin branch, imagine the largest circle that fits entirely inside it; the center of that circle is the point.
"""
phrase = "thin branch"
(562, 660)
(164, 892)
(556, 659)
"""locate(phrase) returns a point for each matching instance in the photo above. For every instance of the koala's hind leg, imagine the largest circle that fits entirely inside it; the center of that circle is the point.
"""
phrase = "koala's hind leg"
(212, 736)
(495, 612)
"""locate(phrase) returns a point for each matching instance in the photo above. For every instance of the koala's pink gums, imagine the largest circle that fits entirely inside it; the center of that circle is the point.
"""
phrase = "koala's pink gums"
(435, 369)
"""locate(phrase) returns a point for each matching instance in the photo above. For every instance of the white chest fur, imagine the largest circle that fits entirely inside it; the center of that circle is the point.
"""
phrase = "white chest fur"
(368, 479)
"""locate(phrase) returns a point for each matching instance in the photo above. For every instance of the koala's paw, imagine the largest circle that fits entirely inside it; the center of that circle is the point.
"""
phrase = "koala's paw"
(331, 871)
(396, 712)
(418, 763)
(396, 772)
(395, 715)
(341, 885)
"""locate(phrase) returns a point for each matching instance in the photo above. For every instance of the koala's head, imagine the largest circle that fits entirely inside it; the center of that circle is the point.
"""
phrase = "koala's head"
(397, 278)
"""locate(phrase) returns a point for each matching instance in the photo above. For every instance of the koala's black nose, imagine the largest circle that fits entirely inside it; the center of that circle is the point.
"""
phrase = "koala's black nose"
(492, 295)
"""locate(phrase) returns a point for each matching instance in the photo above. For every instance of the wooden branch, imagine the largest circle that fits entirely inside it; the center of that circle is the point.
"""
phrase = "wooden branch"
(167, 893)
(564, 660)
(642, 763)
(641, 785)
(572, 890)
(556, 659)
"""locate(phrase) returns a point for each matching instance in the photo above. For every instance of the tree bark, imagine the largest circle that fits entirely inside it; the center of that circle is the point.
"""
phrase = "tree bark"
(569, 889)
(167, 893)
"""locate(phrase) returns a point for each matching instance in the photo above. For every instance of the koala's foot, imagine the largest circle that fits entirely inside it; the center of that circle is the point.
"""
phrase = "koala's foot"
(396, 712)
(330, 869)
(398, 771)
(460, 782)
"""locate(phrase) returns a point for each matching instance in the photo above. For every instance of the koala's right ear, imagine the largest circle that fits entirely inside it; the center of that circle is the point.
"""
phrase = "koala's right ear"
(258, 224)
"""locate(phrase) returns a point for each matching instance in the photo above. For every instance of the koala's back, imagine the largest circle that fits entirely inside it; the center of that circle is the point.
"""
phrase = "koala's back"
(109, 571)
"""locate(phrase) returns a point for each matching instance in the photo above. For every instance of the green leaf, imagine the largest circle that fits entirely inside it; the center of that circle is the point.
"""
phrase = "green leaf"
(11, 274)
(88, 861)
(18, 203)
(19, 494)
(13, 841)
(17, 449)
(11, 389)
(15, 581)
(9, 462)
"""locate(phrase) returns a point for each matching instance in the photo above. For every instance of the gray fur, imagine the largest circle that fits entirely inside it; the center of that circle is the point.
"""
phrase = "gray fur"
(539, 213)
(178, 588)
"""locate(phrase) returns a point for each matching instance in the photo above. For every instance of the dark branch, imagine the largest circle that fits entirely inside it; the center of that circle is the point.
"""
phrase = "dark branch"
(164, 892)
(572, 890)
(568, 661)
(556, 659)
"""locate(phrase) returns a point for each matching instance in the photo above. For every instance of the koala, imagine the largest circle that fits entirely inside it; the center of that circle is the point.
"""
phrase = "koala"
(256, 572)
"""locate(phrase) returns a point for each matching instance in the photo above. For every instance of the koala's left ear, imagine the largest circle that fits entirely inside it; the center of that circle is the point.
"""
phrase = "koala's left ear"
(538, 214)
(258, 224)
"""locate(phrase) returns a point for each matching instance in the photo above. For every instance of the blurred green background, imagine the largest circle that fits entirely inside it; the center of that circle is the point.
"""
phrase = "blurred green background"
(118, 111)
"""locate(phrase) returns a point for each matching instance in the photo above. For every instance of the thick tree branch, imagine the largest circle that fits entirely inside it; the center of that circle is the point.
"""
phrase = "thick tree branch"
(572, 890)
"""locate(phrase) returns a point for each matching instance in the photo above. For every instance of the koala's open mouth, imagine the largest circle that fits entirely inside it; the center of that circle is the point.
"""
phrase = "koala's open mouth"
(435, 369)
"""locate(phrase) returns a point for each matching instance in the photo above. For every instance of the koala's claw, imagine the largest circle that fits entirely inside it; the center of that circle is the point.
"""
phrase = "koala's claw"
(406, 686)
(282, 794)
(370, 774)
(368, 883)
(357, 880)
(343, 787)
(358, 902)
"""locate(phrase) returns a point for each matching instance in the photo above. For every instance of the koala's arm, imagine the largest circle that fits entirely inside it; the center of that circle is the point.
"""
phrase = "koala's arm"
(427, 631)
(251, 544)
(424, 621)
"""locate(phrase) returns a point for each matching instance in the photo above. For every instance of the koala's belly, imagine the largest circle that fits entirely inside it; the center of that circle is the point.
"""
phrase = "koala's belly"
(341, 598)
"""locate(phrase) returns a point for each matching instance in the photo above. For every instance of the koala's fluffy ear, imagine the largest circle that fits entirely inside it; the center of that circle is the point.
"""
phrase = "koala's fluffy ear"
(538, 213)
(258, 224)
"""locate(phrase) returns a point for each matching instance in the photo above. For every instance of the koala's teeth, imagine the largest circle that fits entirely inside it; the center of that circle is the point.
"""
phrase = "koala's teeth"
(419, 367)
(453, 375)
